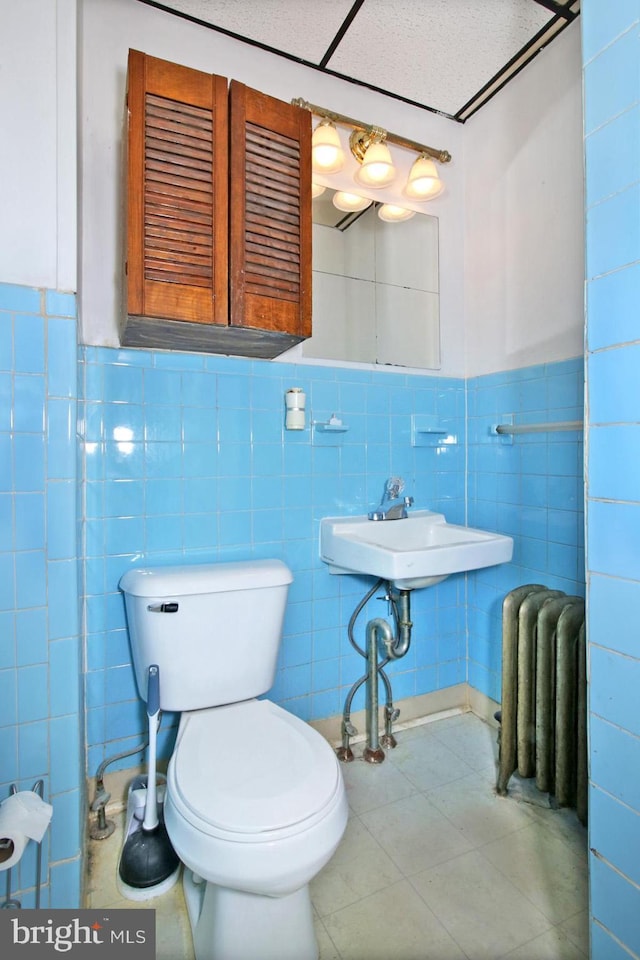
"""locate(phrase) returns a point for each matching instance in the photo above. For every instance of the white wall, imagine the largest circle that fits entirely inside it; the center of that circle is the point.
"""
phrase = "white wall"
(108, 28)
(38, 155)
(511, 225)
(524, 234)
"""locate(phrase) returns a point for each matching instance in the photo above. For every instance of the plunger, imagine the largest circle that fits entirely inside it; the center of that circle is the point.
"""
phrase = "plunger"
(147, 857)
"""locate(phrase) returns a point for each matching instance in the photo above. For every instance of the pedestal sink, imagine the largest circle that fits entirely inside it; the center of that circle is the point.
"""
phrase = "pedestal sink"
(417, 551)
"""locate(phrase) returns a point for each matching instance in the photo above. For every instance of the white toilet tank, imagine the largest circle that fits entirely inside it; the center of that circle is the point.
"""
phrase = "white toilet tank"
(213, 629)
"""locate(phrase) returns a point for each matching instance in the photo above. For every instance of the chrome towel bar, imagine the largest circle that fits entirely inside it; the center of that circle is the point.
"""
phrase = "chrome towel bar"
(511, 429)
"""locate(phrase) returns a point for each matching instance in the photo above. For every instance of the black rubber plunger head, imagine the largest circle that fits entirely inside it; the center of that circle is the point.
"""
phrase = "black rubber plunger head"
(147, 858)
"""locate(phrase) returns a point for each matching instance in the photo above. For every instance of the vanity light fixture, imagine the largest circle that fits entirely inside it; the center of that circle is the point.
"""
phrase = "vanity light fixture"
(370, 146)
(394, 214)
(350, 202)
(317, 190)
(376, 166)
(424, 181)
(327, 155)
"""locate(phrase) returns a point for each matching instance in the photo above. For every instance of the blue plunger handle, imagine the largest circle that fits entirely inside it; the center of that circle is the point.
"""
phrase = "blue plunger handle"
(153, 690)
(150, 821)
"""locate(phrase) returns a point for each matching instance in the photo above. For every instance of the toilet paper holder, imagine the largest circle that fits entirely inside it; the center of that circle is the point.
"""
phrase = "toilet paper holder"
(10, 903)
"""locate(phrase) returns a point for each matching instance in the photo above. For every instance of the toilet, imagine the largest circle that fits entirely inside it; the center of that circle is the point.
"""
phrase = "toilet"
(255, 803)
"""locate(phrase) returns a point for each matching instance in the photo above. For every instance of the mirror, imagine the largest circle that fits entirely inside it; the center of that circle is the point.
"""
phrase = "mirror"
(375, 288)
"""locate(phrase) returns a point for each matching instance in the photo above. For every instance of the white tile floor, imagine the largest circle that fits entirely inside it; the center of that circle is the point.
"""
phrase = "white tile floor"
(433, 865)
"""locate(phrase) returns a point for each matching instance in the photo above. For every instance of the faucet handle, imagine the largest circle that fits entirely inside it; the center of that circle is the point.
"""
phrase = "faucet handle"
(394, 487)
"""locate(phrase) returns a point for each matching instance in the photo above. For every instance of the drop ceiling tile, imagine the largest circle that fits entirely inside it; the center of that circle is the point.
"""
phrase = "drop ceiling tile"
(301, 29)
(435, 52)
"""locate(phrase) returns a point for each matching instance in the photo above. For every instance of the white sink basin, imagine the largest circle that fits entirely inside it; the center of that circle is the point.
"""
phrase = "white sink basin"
(418, 551)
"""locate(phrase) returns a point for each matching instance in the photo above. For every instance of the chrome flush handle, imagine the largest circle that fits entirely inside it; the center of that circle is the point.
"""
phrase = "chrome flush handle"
(164, 607)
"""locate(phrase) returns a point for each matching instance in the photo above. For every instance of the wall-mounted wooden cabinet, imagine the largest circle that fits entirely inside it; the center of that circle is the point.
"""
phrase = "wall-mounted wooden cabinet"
(218, 214)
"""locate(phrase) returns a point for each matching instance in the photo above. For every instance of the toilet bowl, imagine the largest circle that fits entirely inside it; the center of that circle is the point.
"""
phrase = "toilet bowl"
(254, 819)
(255, 803)
(255, 798)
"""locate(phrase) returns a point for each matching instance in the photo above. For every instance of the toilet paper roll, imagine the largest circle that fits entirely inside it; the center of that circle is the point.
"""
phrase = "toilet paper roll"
(11, 849)
(24, 816)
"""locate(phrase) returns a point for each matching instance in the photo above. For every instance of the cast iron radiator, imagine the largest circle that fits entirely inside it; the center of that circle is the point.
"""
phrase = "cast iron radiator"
(543, 730)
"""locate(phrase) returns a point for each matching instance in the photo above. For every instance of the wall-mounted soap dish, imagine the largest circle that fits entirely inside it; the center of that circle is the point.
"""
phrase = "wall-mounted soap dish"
(332, 425)
(426, 431)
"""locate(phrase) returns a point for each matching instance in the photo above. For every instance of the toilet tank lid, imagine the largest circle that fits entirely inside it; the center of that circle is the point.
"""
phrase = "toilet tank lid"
(202, 578)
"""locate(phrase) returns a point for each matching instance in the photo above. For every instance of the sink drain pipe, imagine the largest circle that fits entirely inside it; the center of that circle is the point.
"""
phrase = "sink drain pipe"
(380, 636)
(377, 629)
(344, 752)
(394, 649)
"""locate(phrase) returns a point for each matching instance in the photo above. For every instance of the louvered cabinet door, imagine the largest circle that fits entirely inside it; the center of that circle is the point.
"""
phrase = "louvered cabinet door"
(177, 193)
(270, 214)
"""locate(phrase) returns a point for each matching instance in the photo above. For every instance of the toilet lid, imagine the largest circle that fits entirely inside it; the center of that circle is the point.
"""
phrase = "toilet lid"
(252, 767)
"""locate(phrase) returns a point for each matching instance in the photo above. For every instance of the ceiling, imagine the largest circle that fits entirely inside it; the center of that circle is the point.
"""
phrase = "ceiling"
(446, 56)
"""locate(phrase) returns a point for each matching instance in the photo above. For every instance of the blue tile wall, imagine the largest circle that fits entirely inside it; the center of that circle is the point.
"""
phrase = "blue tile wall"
(529, 487)
(214, 476)
(612, 111)
(186, 460)
(40, 715)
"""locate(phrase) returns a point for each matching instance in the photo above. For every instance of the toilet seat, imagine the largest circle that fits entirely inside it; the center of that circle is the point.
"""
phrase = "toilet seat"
(251, 772)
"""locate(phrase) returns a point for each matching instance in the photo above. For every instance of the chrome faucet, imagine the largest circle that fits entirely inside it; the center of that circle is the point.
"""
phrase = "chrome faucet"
(391, 506)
